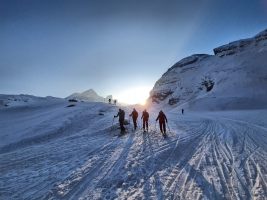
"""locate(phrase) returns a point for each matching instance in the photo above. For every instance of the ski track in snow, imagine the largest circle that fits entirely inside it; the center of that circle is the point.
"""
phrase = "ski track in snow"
(203, 157)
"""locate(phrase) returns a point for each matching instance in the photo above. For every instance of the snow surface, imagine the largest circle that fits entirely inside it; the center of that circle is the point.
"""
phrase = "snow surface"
(51, 151)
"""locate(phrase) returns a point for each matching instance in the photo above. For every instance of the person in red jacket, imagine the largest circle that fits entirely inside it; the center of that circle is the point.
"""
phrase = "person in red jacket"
(162, 119)
(145, 118)
(134, 115)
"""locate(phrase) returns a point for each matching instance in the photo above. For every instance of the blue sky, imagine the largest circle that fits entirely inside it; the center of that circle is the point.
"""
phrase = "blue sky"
(57, 47)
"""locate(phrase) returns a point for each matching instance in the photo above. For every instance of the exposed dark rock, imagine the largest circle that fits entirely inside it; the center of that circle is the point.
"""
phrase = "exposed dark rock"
(208, 83)
(71, 105)
(73, 100)
(232, 48)
(173, 101)
(261, 36)
(160, 96)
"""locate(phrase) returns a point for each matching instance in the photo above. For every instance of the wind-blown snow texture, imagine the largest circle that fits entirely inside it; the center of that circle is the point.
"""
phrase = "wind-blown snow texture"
(51, 148)
(237, 74)
(52, 151)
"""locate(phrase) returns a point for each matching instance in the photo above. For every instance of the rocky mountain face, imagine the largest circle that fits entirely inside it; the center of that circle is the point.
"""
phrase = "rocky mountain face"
(234, 78)
(241, 45)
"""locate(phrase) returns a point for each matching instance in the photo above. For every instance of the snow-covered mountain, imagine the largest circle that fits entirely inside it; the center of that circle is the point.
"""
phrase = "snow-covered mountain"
(234, 78)
(88, 95)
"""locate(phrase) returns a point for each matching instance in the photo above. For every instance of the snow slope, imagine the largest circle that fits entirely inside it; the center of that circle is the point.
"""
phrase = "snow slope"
(234, 78)
(24, 100)
(61, 152)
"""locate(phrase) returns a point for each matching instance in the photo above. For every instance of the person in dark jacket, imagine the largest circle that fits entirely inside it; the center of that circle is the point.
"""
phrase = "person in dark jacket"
(162, 119)
(145, 118)
(121, 115)
(134, 115)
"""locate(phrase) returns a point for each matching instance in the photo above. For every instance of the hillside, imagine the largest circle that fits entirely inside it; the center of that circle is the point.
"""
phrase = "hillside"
(234, 78)
(24, 101)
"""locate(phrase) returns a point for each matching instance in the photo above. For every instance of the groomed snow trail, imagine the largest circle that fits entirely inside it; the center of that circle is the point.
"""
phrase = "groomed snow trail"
(203, 157)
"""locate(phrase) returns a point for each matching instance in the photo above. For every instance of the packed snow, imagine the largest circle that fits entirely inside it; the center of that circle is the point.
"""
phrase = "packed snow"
(53, 151)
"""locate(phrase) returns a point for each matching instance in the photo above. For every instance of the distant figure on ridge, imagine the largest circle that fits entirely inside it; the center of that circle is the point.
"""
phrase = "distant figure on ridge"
(109, 101)
(145, 118)
(121, 115)
(134, 115)
(162, 119)
(115, 101)
(182, 111)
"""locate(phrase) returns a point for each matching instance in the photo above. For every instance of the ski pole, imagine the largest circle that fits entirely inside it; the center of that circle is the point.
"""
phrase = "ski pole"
(112, 124)
(139, 125)
(168, 127)
(129, 122)
(112, 121)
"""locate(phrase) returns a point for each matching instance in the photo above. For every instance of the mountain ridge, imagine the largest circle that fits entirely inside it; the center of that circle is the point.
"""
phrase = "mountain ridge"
(88, 95)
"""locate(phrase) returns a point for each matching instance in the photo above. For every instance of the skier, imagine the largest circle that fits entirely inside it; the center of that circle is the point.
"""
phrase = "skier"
(109, 101)
(115, 101)
(162, 118)
(121, 115)
(182, 111)
(134, 115)
(145, 118)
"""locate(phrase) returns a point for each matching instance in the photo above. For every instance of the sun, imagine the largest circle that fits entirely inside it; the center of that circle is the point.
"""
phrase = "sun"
(137, 95)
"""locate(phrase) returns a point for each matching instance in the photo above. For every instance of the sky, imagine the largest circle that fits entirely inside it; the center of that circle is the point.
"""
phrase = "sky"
(118, 47)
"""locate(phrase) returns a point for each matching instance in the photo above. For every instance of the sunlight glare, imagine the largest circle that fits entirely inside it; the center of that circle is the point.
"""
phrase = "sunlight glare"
(137, 95)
